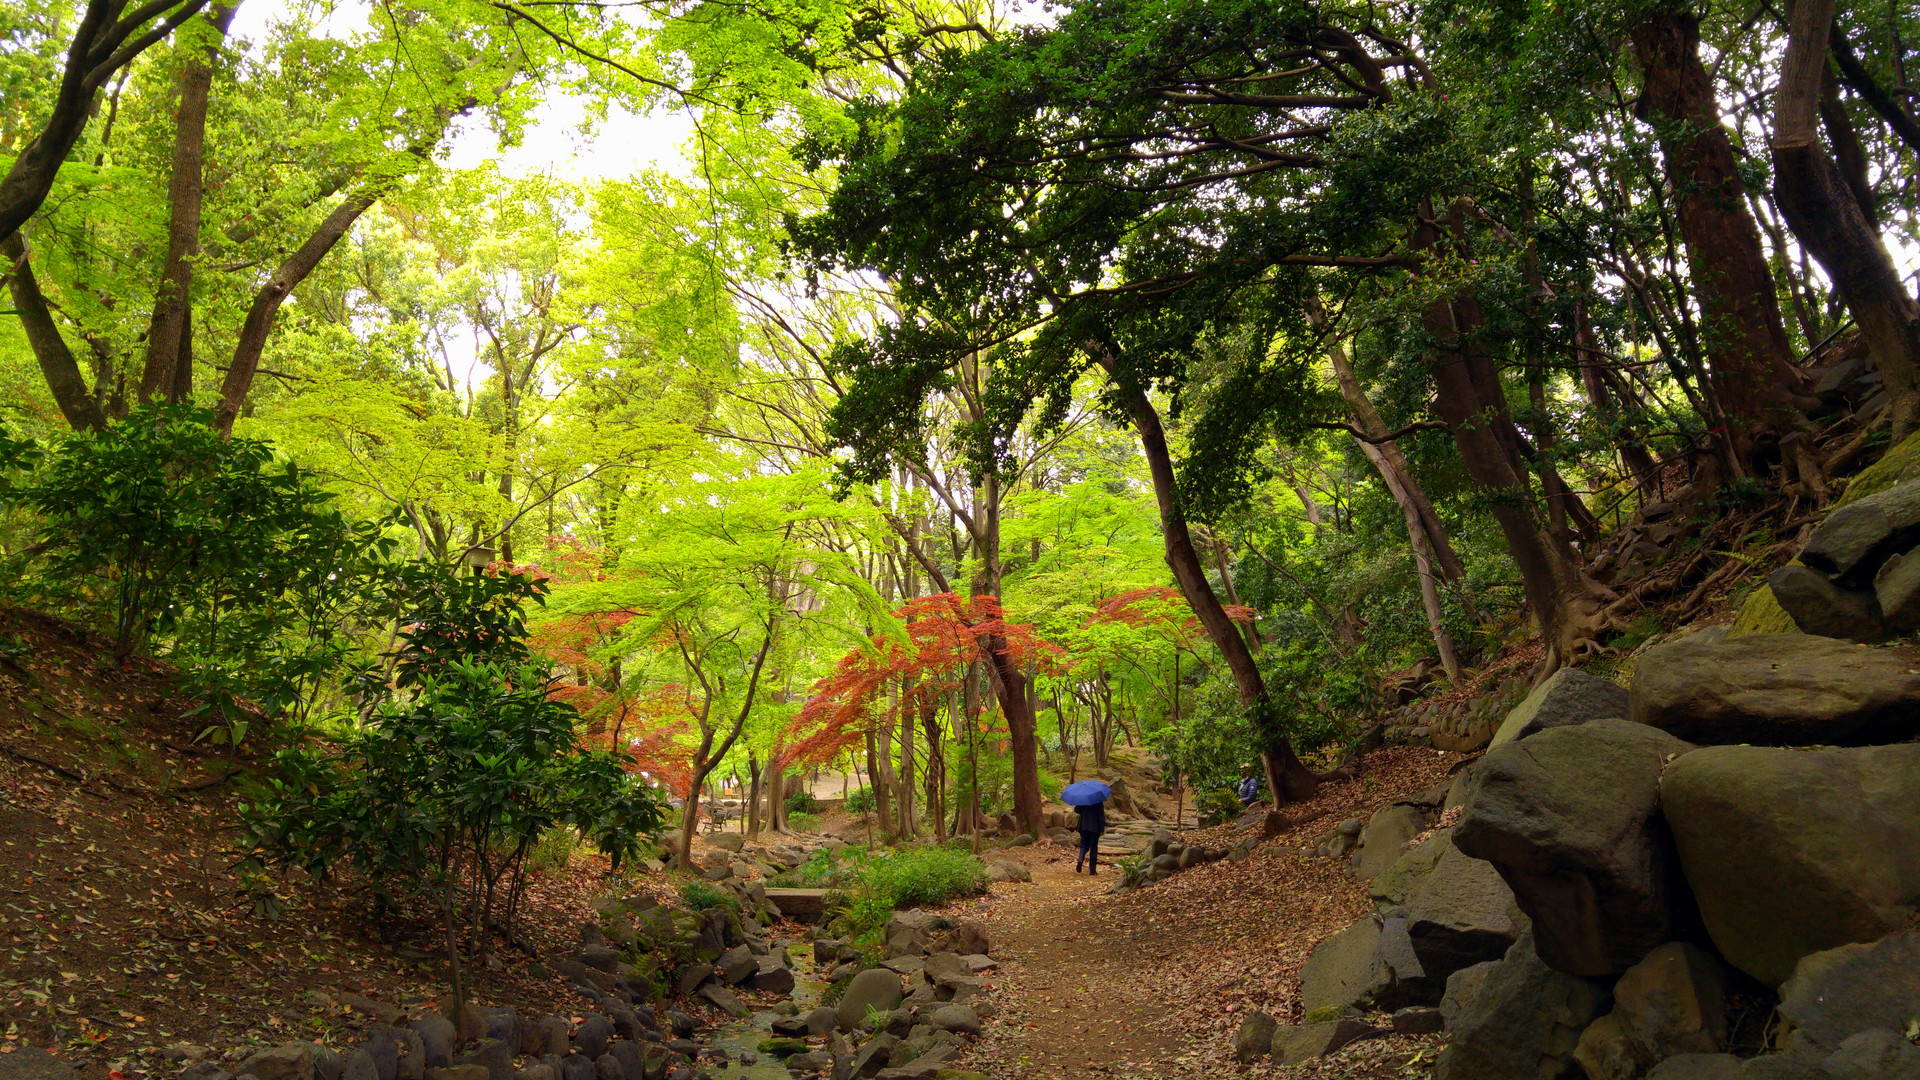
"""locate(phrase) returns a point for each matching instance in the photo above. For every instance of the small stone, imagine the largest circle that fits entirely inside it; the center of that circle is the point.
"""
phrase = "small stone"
(1295, 1043)
(721, 998)
(1419, 1020)
(1254, 1040)
(436, 1037)
(1875, 1055)
(956, 1018)
(288, 1061)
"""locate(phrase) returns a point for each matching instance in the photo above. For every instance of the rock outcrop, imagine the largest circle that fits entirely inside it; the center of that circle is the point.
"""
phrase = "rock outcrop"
(1776, 690)
(1571, 819)
(1792, 852)
(1523, 1023)
(1569, 697)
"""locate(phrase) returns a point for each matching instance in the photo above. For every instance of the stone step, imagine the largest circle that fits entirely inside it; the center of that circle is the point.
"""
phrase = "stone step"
(807, 905)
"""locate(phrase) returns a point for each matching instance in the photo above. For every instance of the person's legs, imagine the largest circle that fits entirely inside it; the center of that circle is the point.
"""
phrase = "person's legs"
(1089, 845)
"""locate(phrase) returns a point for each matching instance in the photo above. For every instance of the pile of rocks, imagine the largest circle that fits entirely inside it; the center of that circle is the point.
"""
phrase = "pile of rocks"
(1859, 575)
(1742, 826)
(494, 1043)
(1462, 725)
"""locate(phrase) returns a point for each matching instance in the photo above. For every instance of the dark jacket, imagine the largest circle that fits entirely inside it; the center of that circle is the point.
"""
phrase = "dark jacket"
(1093, 819)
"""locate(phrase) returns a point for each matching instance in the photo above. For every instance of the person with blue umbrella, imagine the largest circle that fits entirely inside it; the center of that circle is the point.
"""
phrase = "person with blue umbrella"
(1090, 798)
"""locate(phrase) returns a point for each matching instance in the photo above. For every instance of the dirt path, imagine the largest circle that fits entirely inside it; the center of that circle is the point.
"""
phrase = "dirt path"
(1151, 985)
(1072, 1005)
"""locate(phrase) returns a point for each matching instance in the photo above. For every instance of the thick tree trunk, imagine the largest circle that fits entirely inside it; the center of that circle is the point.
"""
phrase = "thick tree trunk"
(1287, 776)
(104, 41)
(1825, 214)
(78, 404)
(266, 303)
(169, 366)
(1467, 393)
(1746, 344)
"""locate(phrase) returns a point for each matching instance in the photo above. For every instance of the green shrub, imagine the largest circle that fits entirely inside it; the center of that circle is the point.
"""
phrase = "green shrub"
(920, 877)
(552, 851)
(861, 801)
(701, 895)
(803, 822)
(1217, 806)
(802, 802)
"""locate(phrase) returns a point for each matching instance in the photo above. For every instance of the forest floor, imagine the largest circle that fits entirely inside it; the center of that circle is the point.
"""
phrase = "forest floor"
(125, 928)
(1152, 984)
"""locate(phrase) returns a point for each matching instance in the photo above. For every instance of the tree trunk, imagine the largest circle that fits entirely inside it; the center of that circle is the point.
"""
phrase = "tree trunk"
(1825, 215)
(78, 404)
(169, 366)
(1422, 564)
(1287, 776)
(1750, 358)
(753, 796)
(1371, 422)
(266, 303)
(908, 825)
(104, 41)
(1469, 397)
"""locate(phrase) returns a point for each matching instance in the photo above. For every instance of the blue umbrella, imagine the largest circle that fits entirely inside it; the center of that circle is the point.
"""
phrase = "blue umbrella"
(1085, 793)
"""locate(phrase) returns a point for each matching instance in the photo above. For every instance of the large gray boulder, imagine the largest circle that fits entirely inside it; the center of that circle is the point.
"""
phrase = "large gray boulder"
(1452, 910)
(1856, 538)
(1569, 697)
(875, 988)
(1459, 914)
(1387, 831)
(1523, 1023)
(1792, 852)
(1348, 968)
(1875, 1055)
(1837, 994)
(1673, 1002)
(1818, 606)
(1776, 690)
(1571, 818)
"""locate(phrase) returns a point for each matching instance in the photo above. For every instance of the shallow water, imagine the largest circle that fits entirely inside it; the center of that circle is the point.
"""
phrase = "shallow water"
(744, 1035)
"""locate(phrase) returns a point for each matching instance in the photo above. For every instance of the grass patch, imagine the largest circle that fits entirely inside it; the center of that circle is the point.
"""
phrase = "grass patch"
(870, 888)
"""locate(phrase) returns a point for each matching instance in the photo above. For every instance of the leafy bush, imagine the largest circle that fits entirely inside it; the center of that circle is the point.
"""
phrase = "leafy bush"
(802, 802)
(860, 801)
(175, 537)
(921, 877)
(451, 783)
(871, 888)
(552, 851)
(803, 822)
(1217, 806)
(701, 895)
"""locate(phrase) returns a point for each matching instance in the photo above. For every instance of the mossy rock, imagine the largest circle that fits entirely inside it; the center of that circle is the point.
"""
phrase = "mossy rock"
(1762, 614)
(783, 1047)
(1901, 464)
